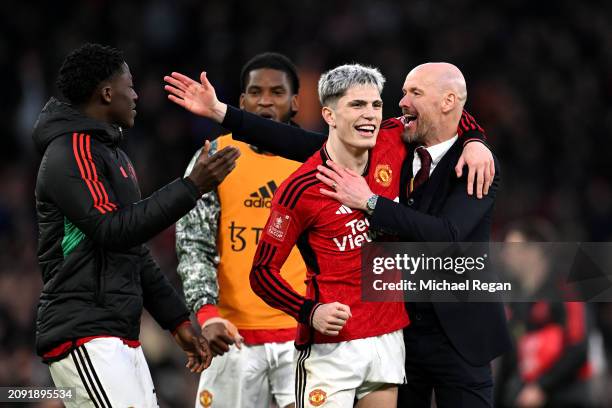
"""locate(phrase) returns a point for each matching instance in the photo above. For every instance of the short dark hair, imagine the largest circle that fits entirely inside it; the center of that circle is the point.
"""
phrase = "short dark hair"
(272, 60)
(85, 68)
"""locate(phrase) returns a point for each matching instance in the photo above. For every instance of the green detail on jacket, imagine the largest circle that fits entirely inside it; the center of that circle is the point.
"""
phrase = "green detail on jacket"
(72, 237)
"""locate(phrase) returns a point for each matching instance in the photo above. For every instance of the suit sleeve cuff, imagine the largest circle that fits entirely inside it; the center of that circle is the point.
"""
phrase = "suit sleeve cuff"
(379, 219)
(233, 120)
(207, 312)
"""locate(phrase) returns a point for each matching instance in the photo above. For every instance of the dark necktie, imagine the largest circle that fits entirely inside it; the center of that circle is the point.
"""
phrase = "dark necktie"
(423, 174)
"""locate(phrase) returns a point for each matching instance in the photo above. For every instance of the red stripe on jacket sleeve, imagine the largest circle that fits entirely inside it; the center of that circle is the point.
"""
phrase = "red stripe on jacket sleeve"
(89, 172)
(108, 205)
(77, 156)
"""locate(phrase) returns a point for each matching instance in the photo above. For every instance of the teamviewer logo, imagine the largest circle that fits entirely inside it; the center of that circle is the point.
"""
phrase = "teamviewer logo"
(262, 198)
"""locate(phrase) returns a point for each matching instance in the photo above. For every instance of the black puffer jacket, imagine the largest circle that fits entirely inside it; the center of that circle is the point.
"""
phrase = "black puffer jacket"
(92, 223)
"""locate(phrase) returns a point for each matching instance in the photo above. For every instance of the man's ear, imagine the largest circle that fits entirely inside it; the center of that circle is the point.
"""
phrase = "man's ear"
(241, 102)
(106, 93)
(449, 101)
(295, 105)
(328, 116)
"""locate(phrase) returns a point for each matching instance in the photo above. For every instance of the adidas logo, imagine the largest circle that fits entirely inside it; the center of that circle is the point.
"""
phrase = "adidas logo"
(344, 210)
(262, 198)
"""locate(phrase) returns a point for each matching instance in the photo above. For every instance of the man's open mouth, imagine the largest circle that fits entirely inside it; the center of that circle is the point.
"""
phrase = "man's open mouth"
(366, 130)
(408, 118)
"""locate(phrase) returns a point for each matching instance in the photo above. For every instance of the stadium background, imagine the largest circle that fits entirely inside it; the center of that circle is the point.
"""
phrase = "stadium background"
(539, 80)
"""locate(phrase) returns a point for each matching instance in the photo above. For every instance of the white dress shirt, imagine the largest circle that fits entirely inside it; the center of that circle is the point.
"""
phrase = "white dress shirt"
(436, 152)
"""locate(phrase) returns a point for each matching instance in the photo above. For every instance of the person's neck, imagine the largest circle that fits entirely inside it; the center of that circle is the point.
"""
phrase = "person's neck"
(94, 112)
(440, 137)
(446, 129)
(347, 156)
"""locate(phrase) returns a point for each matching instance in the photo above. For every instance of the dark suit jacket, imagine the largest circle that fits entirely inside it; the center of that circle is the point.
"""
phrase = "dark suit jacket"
(443, 212)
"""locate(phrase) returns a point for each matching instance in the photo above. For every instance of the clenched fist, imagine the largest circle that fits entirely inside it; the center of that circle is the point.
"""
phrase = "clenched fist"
(330, 318)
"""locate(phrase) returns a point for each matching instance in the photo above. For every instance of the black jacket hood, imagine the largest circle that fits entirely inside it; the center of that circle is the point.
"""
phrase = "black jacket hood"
(58, 118)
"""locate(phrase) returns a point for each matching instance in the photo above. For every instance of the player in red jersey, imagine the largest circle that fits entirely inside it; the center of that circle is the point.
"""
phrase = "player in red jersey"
(335, 326)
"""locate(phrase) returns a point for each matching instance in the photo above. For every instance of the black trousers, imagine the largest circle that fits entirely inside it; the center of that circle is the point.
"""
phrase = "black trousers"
(433, 365)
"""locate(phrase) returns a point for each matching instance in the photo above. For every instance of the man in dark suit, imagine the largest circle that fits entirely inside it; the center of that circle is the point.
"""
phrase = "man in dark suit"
(449, 346)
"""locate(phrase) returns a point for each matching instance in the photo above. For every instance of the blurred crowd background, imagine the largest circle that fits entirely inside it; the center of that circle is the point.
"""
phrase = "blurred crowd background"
(539, 77)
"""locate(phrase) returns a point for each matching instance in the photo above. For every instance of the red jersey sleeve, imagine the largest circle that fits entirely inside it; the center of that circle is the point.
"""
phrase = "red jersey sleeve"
(468, 128)
(288, 219)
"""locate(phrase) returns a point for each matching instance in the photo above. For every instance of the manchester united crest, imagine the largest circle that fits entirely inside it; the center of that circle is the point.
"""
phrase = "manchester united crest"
(383, 175)
(206, 399)
(317, 397)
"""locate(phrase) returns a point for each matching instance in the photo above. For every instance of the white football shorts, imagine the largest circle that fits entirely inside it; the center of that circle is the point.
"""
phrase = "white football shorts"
(105, 372)
(334, 374)
(249, 377)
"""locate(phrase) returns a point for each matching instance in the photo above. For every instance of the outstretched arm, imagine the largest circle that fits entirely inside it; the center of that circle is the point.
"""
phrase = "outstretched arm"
(80, 185)
(290, 142)
(282, 139)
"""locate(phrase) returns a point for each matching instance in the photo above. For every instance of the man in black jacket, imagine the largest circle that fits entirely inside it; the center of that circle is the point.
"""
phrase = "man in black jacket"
(97, 273)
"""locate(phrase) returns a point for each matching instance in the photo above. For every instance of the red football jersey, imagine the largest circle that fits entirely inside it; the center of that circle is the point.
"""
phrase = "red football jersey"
(329, 236)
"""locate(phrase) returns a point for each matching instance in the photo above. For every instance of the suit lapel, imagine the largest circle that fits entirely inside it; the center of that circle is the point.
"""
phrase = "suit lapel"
(439, 177)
